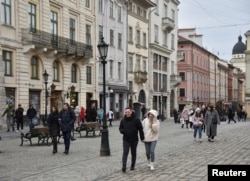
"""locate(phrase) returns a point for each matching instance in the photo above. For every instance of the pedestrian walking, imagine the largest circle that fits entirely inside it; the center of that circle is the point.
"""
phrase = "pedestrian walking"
(19, 117)
(110, 117)
(151, 127)
(82, 114)
(184, 115)
(191, 117)
(100, 115)
(54, 126)
(231, 115)
(77, 114)
(31, 114)
(175, 113)
(211, 120)
(10, 111)
(198, 123)
(129, 127)
(203, 112)
(66, 121)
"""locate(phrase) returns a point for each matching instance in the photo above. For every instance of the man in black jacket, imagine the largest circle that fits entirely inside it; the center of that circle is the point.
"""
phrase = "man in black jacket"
(129, 127)
(19, 117)
(31, 114)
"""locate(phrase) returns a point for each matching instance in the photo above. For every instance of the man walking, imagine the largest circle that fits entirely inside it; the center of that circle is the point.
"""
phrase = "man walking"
(19, 117)
(129, 127)
(31, 114)
(66, 120)
(10, 111)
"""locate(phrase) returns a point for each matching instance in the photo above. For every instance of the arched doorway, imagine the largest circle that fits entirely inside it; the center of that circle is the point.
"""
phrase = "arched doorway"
(138, 105)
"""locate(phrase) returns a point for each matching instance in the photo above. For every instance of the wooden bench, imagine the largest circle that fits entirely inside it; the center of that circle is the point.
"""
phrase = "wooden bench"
(89, 127)
(41, 133)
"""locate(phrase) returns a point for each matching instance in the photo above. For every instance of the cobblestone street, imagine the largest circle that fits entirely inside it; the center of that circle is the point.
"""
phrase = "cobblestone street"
(178, 157)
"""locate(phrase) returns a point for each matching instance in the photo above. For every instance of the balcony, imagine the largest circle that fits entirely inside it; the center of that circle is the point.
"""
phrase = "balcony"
(44, 42)
(140, 76)
(180, 55)
(168, 24)
(175, 80)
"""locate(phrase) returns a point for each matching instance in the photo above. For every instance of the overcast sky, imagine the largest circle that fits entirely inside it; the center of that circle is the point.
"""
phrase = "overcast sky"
(219, 21)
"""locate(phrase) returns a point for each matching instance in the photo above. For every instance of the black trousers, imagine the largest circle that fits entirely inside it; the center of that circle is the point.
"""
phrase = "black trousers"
(126, 146)
(66, 137)
(19, 122)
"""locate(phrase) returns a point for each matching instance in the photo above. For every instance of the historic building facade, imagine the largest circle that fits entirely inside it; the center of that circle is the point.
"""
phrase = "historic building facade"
(56, 36)
(163, 78)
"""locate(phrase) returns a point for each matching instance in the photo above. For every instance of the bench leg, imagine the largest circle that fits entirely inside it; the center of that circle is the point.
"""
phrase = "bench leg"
(22, 135)
(30, 141)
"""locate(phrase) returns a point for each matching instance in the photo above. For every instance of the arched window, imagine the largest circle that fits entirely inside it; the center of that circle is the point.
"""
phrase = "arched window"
(142, 97)
(34, 68)
(73, 73)
(55, 71)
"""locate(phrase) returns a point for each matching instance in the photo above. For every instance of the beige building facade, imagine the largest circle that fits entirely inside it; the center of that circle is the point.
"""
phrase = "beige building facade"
(55, 36)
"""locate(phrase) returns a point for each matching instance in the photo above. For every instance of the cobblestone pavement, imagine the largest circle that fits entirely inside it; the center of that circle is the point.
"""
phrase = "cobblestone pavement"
(178, 157)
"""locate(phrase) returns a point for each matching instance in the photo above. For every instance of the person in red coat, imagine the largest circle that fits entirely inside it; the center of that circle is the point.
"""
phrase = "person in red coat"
(82, 114)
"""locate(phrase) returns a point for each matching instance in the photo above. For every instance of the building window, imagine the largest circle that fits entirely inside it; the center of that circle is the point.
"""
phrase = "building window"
(73, 73)
(144, 40)
(165, 64)
(55, 71)
(100, 31)
(165, 38)
(87, 3)
(119, 13)
(100, 6)
(138, 63)
(144, 65)
(165, 11)
(138, 37)
(111, 9)
(182, 75)
(182, 92)
(88, 34)
(111, 38)
(172, 14)
(34, 68)
(111, 68)
(130, 65)
(54, 26)
(138, 11)
(130, 34)
(119, 71)
(119, 40)
(89, 75)
(156, 34)
(7, 63)
(157, 6)
(72, 30)
(172, 41)
(32, 17)
(6, 12)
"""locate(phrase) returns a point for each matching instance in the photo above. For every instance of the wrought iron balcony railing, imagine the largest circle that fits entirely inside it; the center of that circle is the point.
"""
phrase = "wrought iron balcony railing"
(63, 45)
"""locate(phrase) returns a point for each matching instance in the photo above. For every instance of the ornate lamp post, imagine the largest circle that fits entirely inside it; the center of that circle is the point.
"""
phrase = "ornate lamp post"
(103, 51)
(46, 77)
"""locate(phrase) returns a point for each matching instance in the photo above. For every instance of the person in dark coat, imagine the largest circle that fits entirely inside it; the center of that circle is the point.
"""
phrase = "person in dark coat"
(129, 127)
(211, 127)
(19, 117)
(31, 114)
(231, 116)
(54, 126)
(66, 120)
(175, 113)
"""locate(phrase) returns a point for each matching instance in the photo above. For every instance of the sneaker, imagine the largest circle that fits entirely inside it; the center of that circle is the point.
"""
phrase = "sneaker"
(152, 166)
(200, 140)
(17, 131)
(22, 130)
(149, 164)
(190, 129)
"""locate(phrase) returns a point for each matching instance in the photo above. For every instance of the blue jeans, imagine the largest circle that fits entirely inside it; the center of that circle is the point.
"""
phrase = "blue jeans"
(150, 150)
(66, 137)
(31, 124)
(199, 129)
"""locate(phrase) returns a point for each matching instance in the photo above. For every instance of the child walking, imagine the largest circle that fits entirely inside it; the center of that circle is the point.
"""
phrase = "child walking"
(198, 124)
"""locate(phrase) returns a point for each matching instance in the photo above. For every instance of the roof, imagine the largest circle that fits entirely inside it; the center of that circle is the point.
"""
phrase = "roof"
(239, 47)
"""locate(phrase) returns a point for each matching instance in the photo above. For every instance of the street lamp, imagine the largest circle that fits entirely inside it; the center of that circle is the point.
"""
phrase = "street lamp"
(46, 77)
(103, 51)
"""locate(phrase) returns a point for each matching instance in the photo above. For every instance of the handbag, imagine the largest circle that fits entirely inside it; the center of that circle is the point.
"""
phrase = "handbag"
(200, 122)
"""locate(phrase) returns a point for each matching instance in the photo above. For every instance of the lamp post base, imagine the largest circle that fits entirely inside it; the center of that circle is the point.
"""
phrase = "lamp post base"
(105, 151)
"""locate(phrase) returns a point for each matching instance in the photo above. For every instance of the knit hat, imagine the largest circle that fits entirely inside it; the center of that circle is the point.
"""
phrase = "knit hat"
(197, 109)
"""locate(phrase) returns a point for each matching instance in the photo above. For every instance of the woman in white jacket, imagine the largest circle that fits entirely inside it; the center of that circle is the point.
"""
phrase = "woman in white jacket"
(151, 126)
